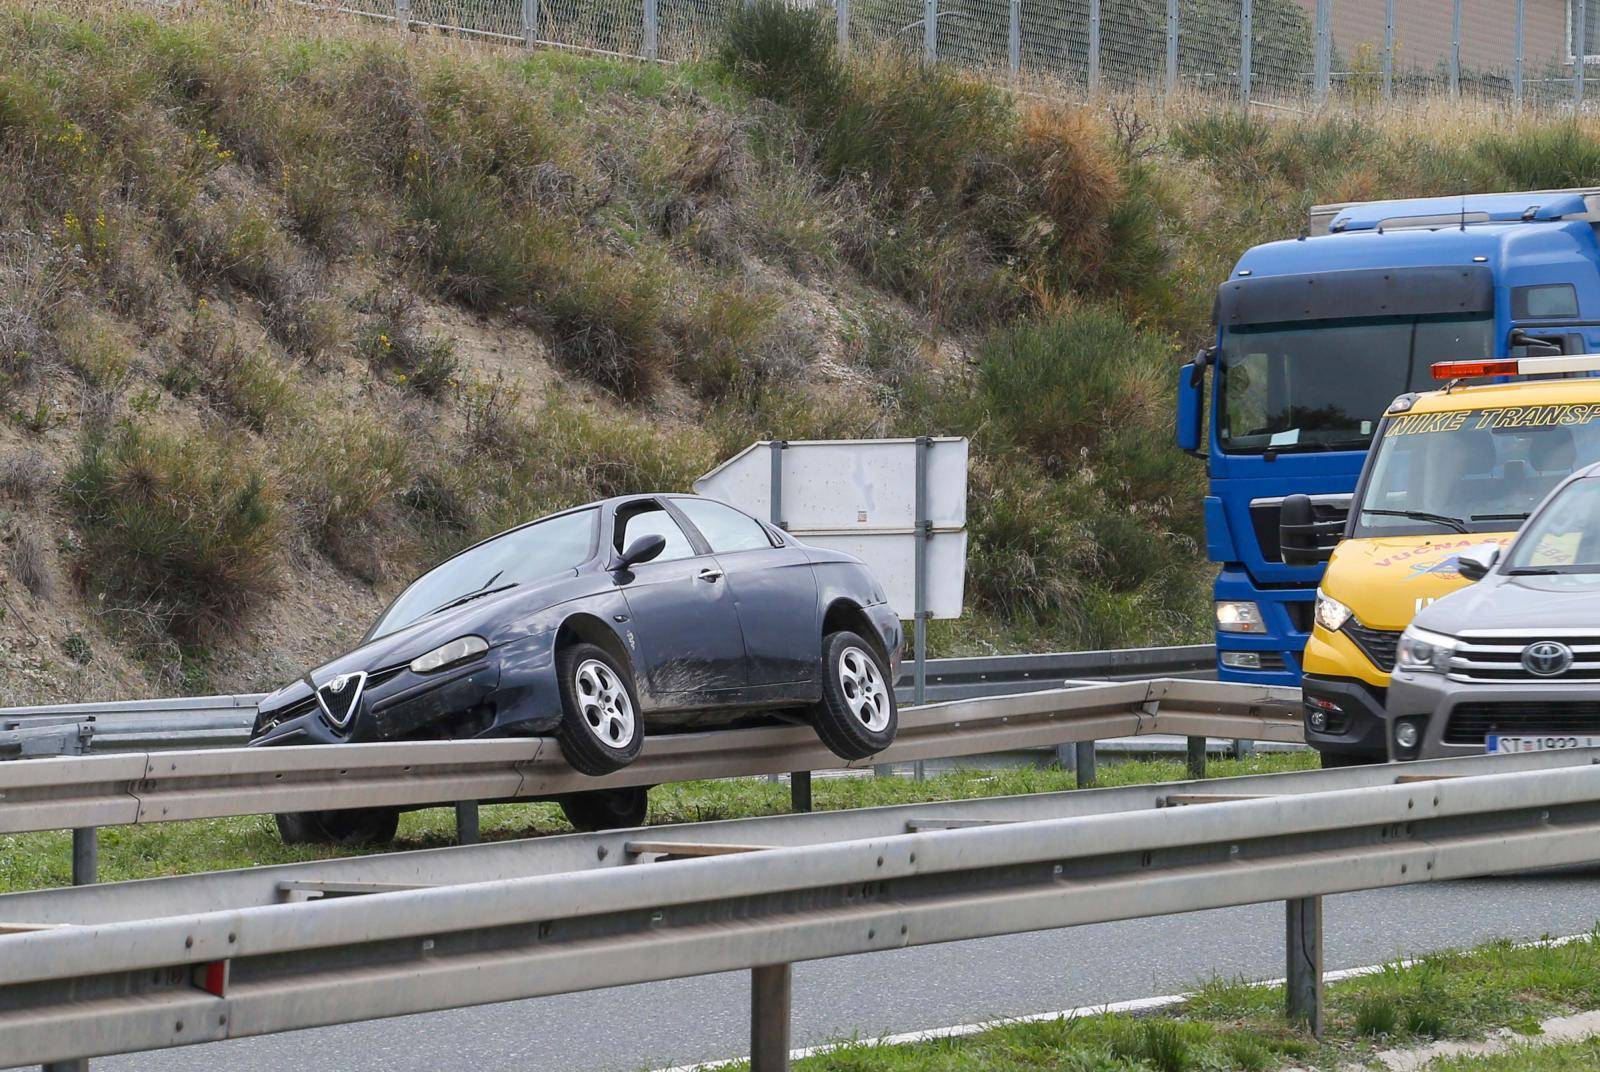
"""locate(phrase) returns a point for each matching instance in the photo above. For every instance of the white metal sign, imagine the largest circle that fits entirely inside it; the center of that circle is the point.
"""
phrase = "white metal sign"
(860, 496)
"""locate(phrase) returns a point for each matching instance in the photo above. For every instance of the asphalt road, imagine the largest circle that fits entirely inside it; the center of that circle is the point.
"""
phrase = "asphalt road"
(678, 1022)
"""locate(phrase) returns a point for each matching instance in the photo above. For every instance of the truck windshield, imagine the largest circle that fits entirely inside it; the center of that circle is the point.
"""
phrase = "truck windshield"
(1565, 537)
(1323, 385)
(532, 553)
(1480, 470)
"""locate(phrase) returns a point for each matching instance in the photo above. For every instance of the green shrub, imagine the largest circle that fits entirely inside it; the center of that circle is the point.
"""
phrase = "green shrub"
(182, 527)
(243, 381)
(393, 344)
(348, 475)
(1377, 1016)
(783, 53)
(1550, 156)
(721, 335)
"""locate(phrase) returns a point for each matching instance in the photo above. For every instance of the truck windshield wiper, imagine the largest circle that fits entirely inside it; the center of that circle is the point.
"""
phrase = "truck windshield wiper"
(1499, 517)
(1419, 515)
(470, 596)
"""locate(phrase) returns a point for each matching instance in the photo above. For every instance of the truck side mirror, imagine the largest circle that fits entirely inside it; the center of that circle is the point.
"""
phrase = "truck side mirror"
(1475, 562)
(1191, 402)
(1297, 532)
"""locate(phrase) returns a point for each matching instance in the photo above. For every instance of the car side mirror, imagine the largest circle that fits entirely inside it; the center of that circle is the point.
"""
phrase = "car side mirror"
(1298, 541)
(1475, 562)
(642, 550)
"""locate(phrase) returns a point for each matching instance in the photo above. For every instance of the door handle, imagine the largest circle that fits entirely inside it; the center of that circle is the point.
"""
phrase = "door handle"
(711, 575)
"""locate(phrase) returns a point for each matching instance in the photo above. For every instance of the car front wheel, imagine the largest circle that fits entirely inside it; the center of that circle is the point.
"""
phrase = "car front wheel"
(600, 730)
(351, 827)
(857, 716)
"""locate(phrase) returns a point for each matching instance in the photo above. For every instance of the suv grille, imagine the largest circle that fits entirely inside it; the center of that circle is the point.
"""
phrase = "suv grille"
(1379, 645)
(1471, 723)
(1484, 658)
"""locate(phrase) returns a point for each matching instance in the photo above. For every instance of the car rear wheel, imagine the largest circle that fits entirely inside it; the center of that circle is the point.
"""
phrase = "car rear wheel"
(857, 716)
(600, 730)
(606, 809)
(350, 827)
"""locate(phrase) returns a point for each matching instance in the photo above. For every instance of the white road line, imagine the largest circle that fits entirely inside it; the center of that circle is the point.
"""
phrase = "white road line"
(1134, 1005)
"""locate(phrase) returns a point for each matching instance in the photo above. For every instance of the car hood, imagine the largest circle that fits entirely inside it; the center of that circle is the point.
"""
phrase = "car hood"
(1563, 603)
(1384, 580)
(499, 619)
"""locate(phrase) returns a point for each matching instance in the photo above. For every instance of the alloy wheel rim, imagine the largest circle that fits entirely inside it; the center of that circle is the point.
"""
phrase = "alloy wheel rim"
(865, 692)
(604, 702)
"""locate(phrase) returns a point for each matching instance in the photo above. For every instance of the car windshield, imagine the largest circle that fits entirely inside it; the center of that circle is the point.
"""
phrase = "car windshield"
(1479, 470)
(521, 556)
(1324, 385)
(1565, 537)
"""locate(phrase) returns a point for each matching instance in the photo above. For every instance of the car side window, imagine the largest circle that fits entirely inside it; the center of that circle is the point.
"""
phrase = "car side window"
(724, 528)
(654, 521)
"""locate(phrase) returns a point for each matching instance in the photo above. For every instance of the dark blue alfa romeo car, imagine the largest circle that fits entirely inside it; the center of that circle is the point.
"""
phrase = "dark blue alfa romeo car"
(643, 612)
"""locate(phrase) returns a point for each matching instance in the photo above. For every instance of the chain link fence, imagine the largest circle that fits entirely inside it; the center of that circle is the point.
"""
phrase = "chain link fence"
(1287, 51)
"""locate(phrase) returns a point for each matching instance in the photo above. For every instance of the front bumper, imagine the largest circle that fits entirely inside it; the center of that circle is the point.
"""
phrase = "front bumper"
(1353, 713)
(1436, 699)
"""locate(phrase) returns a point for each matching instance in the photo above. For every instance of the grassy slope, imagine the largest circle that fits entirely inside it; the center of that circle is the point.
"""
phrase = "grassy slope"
(289, 308)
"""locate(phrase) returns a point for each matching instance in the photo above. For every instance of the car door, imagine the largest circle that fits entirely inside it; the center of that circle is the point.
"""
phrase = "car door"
(683, 627)
(774, 589)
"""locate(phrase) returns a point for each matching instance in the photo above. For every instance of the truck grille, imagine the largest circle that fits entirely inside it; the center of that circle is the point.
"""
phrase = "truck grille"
(1329, 512)
(1379, 645)
(1499, 658)
(1471, 723)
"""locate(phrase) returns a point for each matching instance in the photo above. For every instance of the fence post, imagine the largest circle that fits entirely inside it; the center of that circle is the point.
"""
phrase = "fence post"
(1246, 48)
(402, 14)
(1172, 47)
(1303, 945)
(651, 48)
(1094, 46)
(841, 13)
(1580, 51)
(1455, 49)
(1085, 764)
(530, 22)
(1014, 37)
(800, 791)
(1196, 757)
(1519, 47)
(467, 822)
(1323, 71)
(1388, 51)
(930, 31)
(770, 994)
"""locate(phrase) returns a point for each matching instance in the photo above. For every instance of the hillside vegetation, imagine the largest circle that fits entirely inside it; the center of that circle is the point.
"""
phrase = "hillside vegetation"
(290, 308)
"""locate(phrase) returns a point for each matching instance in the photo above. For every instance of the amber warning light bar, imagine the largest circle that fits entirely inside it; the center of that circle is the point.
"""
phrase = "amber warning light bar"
(1517, 366)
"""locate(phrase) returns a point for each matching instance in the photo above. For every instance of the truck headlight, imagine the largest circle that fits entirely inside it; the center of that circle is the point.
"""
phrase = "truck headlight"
(1424, 651)
(457, 651)
(1239, 616)
(1331, 614)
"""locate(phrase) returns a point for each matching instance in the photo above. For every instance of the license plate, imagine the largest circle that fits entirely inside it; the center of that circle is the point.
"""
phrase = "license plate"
(1500, 743)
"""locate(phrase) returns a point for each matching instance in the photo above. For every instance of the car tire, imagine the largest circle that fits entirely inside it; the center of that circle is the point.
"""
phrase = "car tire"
(601, 729)
(606, 809)
(858, 716)
(350, 828)
(1335, 760)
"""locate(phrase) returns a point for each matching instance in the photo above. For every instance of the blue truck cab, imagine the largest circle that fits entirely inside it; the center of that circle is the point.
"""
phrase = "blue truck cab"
(1317, 335)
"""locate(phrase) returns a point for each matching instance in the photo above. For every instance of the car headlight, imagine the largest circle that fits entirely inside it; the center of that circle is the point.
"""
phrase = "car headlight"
(457, 651)
(1425, 651)
(1331, 614)
(1239, 616)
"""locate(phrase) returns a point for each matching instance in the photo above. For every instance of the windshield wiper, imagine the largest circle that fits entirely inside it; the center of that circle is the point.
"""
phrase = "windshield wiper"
(1499, 517)
(1532, 571)
(1419, 515)
(470, 596)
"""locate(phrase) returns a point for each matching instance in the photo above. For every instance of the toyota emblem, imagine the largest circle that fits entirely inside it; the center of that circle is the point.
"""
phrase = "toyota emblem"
(1547, 658)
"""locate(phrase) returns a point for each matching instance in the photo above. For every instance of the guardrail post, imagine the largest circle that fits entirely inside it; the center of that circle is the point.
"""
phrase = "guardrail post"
(1085, 764)
(467, 822)
(1243, 748)
(80, 1064)
(1303, 985)
(770, 993)
(85, 856)
(800, 791)
(1197, 757)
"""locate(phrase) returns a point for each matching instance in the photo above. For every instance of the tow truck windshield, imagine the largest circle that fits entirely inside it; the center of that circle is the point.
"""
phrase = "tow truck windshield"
(1478, 470)
(1320, 385)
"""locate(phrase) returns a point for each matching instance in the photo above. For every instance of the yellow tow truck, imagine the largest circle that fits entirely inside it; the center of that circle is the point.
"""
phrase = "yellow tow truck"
(1449, 470)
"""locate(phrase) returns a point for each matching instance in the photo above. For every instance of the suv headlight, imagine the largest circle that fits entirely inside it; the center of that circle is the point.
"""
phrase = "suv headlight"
(1239, 616)
(1425, 651)
(1331, 614)
(457, 651)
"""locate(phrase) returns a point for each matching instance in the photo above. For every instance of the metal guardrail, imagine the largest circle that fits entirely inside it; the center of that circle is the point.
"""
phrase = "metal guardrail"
(219, 721)
(111, 790)
(162, 963)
